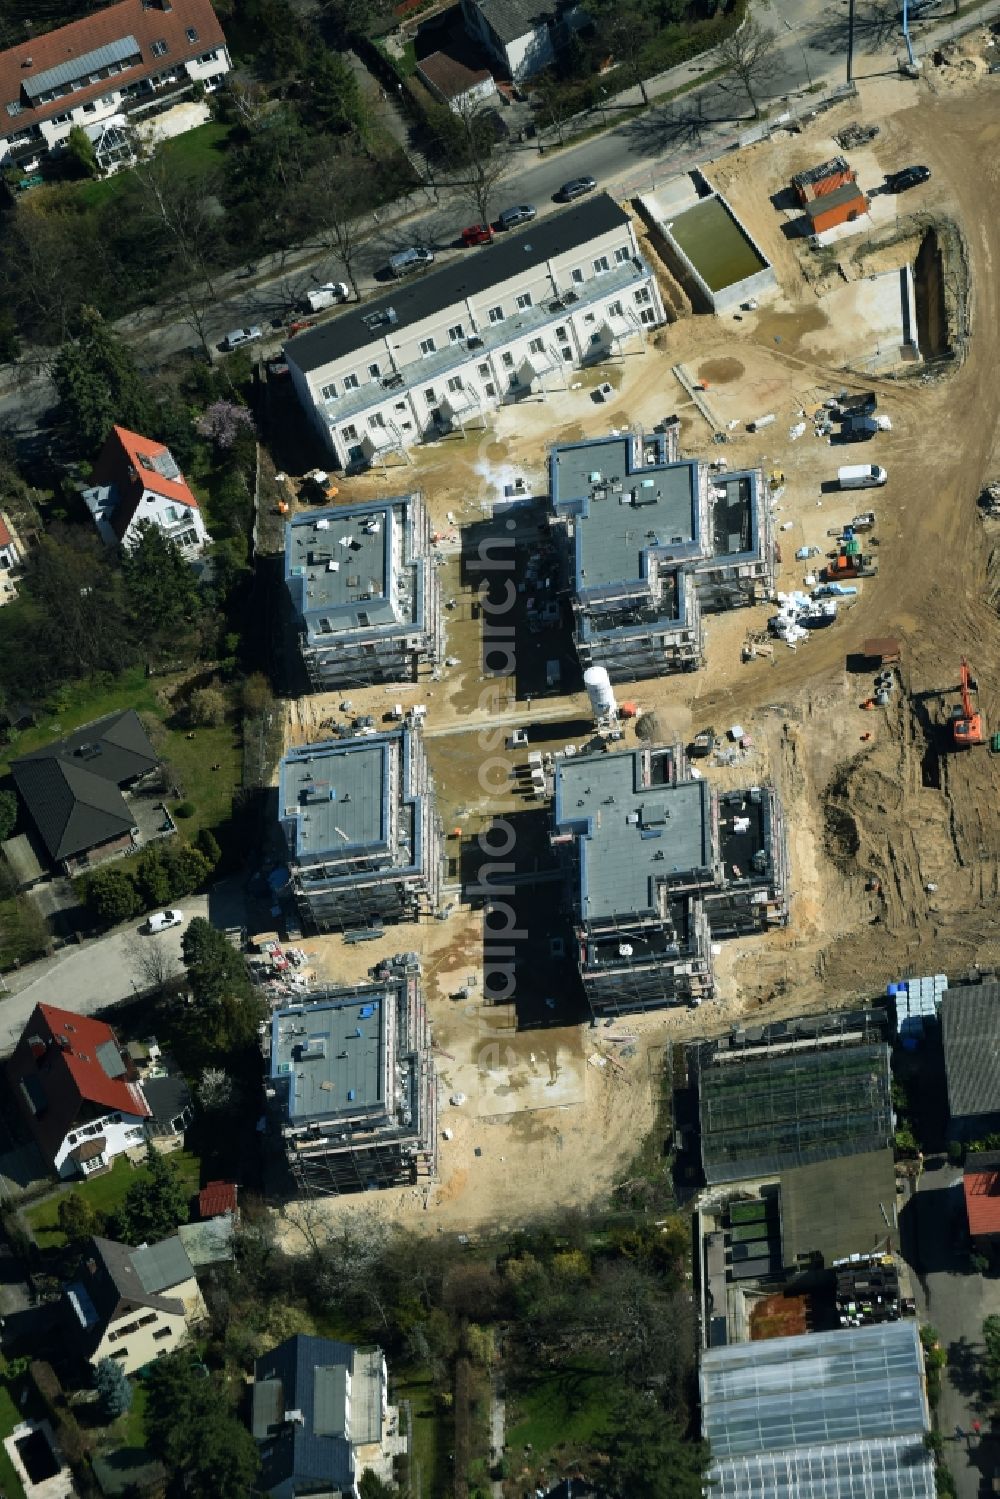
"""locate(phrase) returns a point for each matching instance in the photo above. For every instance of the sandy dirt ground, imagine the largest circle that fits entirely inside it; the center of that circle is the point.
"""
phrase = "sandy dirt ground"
(895, 847)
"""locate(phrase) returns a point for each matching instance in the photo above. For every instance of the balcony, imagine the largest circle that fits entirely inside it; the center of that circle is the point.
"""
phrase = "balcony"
(490, 340)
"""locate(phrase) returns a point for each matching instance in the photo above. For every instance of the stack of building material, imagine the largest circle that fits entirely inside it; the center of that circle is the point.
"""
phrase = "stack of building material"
(917, 1003)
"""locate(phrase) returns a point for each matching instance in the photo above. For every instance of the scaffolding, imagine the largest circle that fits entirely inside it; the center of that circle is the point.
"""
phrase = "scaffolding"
(371, 1144)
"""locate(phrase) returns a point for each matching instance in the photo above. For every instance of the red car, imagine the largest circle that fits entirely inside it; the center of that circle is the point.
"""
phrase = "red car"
(300, 325)
(477, 234)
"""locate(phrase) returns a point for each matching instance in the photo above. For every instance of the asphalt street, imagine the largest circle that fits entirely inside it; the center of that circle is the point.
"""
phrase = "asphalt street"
(694, 127)
(955, 1300)
(109, 969)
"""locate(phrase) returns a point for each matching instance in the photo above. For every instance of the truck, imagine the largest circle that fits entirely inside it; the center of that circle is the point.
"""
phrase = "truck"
(327, 295)
(861, 476)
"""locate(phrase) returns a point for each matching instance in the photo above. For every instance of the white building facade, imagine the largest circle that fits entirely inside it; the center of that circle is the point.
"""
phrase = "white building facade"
(501, 323)
(119, 60)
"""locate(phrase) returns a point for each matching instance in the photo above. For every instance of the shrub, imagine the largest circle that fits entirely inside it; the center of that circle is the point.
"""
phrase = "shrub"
(207, 707)
(184, 809)
(208, 845)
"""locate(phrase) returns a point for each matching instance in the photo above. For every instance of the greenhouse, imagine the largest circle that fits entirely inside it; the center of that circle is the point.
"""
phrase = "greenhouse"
(832, 1415)
(764, 1111)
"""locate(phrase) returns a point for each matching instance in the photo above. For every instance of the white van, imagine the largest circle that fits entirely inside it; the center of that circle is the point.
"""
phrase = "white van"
(861, 476)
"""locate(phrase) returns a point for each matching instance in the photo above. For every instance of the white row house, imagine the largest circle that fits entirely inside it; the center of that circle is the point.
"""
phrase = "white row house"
(492, 327)
(117, 60)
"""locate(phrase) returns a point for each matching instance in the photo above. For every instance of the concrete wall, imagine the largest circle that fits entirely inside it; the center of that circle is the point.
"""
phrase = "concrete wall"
(761, 284)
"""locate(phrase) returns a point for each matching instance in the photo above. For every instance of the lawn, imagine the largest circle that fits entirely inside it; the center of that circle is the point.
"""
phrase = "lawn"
(429, 1465)
(210, 790)
(104, 1193)
(196, 154)
(559, 1408)
(130, 1429)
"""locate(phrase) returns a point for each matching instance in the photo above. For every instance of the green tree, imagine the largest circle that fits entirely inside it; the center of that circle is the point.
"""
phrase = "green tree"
(649, 1458)
(190, 1427)
(207, 707)
(208, 846)
(333, 98)
(373, 1487)
(991, 1356)
(187, 867)
(228, 1008)
(110, 895)
(98, 384)
(8, 814)
(113, 1388)
(161, 591)
(154, 1204)
(625, 29)
(77, 1218)
(80, 149)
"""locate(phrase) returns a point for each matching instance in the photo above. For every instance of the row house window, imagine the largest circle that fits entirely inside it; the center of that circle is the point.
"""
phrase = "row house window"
(329, 392)
(621, 254)
(495, 314)
(456, 334)
(427, 346)
(601, 264)
(351, 382)
(536, 346)
(524, 301)
(577, 277)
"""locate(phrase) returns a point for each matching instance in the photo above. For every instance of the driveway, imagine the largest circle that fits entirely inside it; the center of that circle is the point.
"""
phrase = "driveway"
(955, 1300)
(109, 969)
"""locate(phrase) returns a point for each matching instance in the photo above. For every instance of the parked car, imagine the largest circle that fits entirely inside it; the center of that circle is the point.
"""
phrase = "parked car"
(523, 213)
(404, 262)
(162, 921)
(576, 188)
(240, 336)
(327, 295)
(477, 234)
(898, 182)
(300, 325)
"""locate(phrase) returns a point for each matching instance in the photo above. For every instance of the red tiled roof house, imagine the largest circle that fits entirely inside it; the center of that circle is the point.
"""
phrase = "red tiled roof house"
(981, 1184)
(137, 481)
(110, 63)
(77, 1091)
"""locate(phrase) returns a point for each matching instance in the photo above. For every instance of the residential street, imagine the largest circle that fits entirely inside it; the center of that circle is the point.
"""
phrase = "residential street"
(628, 159)
(955, 1301)
(107, 970)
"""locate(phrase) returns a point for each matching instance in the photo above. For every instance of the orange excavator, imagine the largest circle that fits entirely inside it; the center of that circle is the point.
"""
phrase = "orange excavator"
(966, 721)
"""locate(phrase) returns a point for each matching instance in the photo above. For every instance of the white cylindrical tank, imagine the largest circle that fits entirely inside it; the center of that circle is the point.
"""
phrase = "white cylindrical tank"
(600, 691)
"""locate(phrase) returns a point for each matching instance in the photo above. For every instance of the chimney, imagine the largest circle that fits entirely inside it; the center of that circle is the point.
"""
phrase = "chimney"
(27, 62)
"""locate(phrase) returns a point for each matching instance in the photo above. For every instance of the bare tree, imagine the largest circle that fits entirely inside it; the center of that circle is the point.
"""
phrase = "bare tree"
(184, 214)
(468, 138)
(750, 56)
(341, 204)
(152, 965)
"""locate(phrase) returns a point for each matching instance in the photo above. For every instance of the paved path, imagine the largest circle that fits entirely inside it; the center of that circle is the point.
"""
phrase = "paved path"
(955, 1300)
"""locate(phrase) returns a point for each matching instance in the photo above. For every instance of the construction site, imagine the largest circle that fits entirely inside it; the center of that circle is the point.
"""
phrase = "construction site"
(874, 732)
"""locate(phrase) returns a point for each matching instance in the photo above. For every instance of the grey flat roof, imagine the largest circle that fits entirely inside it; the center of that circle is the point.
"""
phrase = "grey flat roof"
(970, 1034)
(626, 511)
(468, 276)
(331, 1052)
(345, 556)
(621, 859)
(835, 1208)
(338, 793)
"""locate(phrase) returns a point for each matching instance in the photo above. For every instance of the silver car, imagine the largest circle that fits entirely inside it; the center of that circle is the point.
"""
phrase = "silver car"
(240, 336)
(511, 218)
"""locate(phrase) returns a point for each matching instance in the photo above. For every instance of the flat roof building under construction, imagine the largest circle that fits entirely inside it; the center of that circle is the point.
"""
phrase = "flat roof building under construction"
(649, 541)
(650, 874)
(363, 839)
(835, 1415)
(351, 1085)
(364, 589)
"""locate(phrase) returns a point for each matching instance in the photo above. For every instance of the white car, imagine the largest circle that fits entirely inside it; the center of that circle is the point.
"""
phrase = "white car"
(161, 921)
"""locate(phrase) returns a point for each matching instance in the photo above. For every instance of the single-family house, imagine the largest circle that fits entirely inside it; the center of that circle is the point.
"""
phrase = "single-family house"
(134, 1305)
(77, 1091)
(522, 35)
(454, 83)
(73, 790)
(321, 1418)
(137, 482)
(122, 60)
